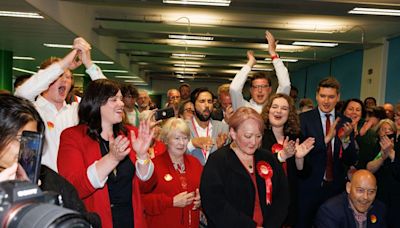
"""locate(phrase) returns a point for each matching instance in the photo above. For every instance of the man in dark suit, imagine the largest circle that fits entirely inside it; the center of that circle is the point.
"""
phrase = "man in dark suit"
(356, 208)
(333, 150)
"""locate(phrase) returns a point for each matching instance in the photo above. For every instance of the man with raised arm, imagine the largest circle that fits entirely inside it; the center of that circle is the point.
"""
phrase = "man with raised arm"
(50, 87)
(260, 83)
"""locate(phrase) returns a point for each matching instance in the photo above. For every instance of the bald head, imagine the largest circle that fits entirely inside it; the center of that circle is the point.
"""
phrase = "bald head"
(362, 190)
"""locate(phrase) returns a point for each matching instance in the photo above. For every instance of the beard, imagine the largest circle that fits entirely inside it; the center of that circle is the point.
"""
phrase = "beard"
(201, 116)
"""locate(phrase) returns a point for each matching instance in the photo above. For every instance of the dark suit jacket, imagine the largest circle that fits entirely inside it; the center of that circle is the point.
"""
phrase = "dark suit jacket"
(312, 191)
(228, 193)
(337, 213)
(311, 126)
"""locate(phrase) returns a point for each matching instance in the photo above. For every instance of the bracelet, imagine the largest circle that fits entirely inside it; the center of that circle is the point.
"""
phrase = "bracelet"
(276, 56)
(143, 161)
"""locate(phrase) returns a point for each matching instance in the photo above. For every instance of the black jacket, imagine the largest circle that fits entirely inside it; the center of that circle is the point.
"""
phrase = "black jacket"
(228, 193)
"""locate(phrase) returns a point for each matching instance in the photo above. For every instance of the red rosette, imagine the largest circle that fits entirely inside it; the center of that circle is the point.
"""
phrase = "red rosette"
(276, 147)
(264, 169)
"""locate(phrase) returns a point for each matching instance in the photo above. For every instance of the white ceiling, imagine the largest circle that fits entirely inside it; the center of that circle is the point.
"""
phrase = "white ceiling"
(134, 33)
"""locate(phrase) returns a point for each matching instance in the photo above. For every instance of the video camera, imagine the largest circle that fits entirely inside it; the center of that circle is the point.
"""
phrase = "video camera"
(23, 204)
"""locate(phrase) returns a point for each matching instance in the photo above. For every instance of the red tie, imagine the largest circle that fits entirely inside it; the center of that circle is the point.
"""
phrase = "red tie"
(329, 156)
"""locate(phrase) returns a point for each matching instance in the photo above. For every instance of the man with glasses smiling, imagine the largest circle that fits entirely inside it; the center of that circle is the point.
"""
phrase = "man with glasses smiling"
(260, 83)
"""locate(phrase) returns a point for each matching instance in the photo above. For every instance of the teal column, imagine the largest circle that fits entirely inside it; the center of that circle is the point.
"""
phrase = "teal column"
(6, 63)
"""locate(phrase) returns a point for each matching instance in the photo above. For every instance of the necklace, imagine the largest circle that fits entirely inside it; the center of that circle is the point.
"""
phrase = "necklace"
(105, 146)
(248, 165)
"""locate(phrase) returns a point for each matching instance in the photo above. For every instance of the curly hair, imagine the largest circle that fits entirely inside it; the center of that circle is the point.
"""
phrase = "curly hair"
(292, 125)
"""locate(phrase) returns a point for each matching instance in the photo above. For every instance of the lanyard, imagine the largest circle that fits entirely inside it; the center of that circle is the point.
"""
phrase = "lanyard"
(197, 134)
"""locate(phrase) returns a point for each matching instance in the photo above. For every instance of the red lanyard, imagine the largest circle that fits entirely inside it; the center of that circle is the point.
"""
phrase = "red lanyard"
(197, 134)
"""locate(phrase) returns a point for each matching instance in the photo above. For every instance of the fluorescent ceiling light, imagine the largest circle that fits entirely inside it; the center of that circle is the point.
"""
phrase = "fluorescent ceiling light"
(375, 11)
(23, 58)
(187, 65)
(20, 14)
(115, 71)
(181, 55)
(23, 70)
(126, 76)
(315, 44)
(268, 60)
(103, 62)
(181, 72)
(80, 75)
(68, 46)
(200, 2)
(190, 37)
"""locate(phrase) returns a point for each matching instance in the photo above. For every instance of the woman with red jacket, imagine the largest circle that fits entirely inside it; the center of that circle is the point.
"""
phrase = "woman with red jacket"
(104, 159)
(174, 200)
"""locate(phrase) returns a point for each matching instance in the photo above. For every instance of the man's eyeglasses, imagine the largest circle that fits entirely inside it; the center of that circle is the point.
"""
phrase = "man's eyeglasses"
(260, 86)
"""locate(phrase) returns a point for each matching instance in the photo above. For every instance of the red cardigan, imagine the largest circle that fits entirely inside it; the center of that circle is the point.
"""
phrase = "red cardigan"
(76, 153)
(158, 203)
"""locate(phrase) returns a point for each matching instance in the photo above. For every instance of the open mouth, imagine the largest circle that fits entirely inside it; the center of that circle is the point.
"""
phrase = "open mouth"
(62, 90)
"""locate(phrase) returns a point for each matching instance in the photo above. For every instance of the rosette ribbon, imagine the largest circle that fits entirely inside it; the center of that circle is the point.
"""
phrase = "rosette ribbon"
(264, 169)
(275, 149)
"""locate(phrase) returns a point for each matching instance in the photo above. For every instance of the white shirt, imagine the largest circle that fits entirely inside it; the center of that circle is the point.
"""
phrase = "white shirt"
(55, 120)
(240, 78)
(201, 132)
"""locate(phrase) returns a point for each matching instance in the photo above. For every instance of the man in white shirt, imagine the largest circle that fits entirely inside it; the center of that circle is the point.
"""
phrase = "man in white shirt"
(51, 85)
(207, 135)
(260, 84)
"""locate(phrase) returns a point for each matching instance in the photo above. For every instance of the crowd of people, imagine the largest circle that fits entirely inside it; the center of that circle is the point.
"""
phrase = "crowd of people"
(224, 163)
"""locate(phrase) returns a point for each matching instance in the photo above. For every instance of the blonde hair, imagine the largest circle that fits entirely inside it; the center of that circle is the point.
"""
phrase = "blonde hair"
(387, 121)
(245, 113)
(174, 124)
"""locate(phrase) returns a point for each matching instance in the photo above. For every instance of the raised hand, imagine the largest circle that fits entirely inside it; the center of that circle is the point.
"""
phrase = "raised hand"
(70, 61)
(288, 148)
(141, 143)
(272, 43)
(347, 130)
(118, 147)
(221, 139)
(204, 143)
(304, 148)
(332, 131)
(251, 59)
(84, 49)
(387, 147)
(183, 199)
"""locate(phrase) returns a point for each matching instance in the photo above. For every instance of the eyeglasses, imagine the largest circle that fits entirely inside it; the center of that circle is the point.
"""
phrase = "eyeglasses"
(260, 86)
(175, 97)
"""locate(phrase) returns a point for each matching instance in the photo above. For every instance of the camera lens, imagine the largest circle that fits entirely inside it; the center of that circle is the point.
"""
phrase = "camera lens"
(44, 216)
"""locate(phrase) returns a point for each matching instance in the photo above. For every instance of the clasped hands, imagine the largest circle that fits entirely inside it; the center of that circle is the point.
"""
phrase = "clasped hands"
(185, 198)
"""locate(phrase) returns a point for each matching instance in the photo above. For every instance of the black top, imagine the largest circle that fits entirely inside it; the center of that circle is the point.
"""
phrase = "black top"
(292, 174)
(120, 189)
(228, 193)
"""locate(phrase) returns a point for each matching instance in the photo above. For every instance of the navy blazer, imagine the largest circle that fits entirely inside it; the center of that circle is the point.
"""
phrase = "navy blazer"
(311, 126)
(336, 212)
